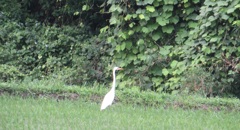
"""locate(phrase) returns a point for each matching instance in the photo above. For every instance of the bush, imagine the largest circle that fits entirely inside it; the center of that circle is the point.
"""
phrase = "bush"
(199, 80)
(166, 38)
(157, 42)
(38, 50)
(213, 44)
(8, 73)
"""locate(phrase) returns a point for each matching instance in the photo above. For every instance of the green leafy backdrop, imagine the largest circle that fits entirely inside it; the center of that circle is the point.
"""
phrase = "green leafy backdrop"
(164, 45)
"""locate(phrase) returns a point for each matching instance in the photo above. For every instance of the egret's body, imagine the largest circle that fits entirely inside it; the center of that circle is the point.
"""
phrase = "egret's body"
(109, 97)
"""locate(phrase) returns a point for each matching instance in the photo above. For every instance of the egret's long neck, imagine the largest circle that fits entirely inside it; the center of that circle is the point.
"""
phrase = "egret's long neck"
(114, 80)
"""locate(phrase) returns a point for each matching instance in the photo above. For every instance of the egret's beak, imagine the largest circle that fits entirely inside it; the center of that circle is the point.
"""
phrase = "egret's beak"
(119, 68)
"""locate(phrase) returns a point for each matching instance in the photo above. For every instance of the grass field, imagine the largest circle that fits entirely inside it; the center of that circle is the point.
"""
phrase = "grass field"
(38, 114)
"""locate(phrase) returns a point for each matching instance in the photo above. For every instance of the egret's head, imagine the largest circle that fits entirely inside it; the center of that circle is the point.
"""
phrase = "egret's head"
(117, 68)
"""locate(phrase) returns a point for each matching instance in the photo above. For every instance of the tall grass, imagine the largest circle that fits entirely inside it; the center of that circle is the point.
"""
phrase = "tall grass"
(42, 113)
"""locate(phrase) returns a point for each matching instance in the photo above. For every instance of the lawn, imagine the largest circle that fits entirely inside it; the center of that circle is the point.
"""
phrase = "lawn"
(45, 113)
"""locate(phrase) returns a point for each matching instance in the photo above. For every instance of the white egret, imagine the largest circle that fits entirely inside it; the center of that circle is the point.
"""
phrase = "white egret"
(109, 97)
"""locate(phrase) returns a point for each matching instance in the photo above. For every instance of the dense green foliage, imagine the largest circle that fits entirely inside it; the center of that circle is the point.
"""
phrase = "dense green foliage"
(170, 39)
(64, 42)
(164, 45)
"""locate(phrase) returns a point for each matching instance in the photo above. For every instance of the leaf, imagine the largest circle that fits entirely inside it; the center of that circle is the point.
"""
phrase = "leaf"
(237, 22)
(167, 15)
(157, 81)
(210, 3)
(134, 50)
(189, 11)
(156, 35)
(222, 3)
(168, 29)
(208, 24)
(174, 64)
(118, 48)
(113, 20)
(141, 16)
(145, 30)
(128, 45)
(140, 42)
(123, 35)
(195, 1)
(174, 79)
(156, 71)
(206, 49)
(211, 18)
(237, 6)
(170, 2)
(123, 45)
(229, 11)
(85, 7)
(141, 57)
(112, 8)
(145, 2)
(152, 26)
(128, 17)
(174, 19)
(140, 3)
(165, 50)
(76, 13)
(104, 29)
(130, 32)
(149, 1)
(132, 57)
(142, 23)
(147, 17)
(167, 8)
(150, 8)
(224, 16)
(131, 24)
(140, 11)
(192, 24)
(214, 39)
(181, 35)
(238, 49)
(110, 39)
(154, 14)
(161, 21)
(165, 72)
(237, 66)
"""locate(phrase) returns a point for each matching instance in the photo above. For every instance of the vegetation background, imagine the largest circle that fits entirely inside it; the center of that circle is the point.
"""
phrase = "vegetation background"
(56, 60)
(170, 46)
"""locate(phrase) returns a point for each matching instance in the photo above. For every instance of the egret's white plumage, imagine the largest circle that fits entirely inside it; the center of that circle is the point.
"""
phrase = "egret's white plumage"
(109, 97)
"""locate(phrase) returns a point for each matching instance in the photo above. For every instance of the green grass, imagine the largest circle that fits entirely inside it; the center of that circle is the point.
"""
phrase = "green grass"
(45, 113)
(56, 89)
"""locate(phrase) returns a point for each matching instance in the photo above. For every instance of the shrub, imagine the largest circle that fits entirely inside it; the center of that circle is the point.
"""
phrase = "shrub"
(166, 38)
(39, 50)
(8, 72)
(199, 80)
